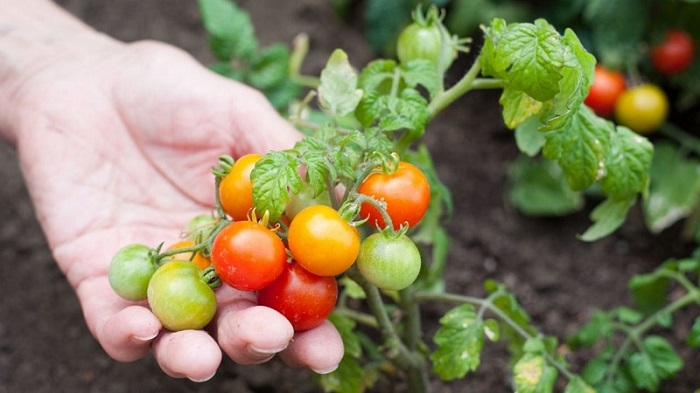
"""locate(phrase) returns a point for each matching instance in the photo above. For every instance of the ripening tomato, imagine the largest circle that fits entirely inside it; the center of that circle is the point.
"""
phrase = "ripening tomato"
(605, 90)
(236, 189)
(675, 54)
(642, 108)
(180, 298)
(391, 263)
(248, 256)
(406, 192)
(130, 271)
(305, 299)
(322, 241)
(198, 259)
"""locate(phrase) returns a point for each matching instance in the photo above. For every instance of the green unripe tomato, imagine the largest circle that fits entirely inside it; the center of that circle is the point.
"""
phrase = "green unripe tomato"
(389, 263)
(422, 41)
(130, 271)
(200, 227)
(180, 297)
(304, 199)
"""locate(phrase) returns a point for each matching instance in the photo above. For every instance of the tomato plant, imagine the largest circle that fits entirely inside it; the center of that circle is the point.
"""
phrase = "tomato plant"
(248, 256)
(642, 108)
(674, 54)
(363, 163)
(322, 241)
(236, 189)
(389, 262)
(605, 90)
(180, 297)
(304, 298)
(131, 270)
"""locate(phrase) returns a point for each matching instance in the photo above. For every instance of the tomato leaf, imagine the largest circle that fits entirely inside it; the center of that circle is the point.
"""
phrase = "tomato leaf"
(649, 290)
(598, 327)
(271, 67)
(577, 77)
(518, 107)
(656, 361)
(460, 340)
(532, 373)
(338, 92)
(528, 57)
(274, 176)
(538, 188)
(607, 217)
(421, 72)
(377, 76)
(693, 339)
(626, 165)
(580, 148)
(674, 188)
(528, 137)
(410, 111)
(319, 171)
(578, 385)
(230, 31)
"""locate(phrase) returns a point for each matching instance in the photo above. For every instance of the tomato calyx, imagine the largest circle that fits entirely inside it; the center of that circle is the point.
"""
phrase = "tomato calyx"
(210, 277)
(224, 165)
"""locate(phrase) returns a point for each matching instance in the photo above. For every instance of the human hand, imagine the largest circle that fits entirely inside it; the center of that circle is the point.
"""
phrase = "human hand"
(116, 143)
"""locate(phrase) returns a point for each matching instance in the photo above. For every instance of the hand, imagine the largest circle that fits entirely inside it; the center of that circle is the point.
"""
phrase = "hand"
(116, 143)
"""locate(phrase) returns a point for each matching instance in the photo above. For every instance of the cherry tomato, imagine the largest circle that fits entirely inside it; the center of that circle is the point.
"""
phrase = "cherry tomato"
(236, 189)
(389, 263)
(305, 299)
(130, 271)
(248, 256)
(606, 89)
(406, 192)
(642, 108)
(675, 54)
(422, 41)
(322, 241)
(198, 259)
(200, 227)
(180, 298)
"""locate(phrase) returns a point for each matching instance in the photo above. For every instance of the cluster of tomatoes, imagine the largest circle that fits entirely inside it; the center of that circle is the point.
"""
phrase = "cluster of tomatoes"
(642, 107)
(292, 266)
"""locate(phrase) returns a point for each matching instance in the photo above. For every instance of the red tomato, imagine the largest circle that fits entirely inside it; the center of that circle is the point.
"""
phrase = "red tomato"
(247, 255)
(674, 54)
(236, 189)
(606, 89)
(406, 192)
(305, 299)
(322, 241)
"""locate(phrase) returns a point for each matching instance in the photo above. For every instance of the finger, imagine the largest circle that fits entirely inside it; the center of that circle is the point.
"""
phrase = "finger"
(191, 354)
(124, 330)
(319, 349)
(257, 126)
(248, 333)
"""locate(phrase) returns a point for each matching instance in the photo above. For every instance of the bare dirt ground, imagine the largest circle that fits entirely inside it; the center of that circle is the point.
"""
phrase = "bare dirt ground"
(46, 347)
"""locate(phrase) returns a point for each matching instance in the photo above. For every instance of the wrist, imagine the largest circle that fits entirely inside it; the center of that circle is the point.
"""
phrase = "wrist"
(35, 34)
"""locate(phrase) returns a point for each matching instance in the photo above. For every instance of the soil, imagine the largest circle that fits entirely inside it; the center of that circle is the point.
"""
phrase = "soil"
(46, 347)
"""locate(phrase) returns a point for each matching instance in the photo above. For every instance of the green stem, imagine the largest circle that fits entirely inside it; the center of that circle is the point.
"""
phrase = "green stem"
(445, 98)
(412, 363)
(306, 81)
(411, 309)
(359, 317)
(487, 304)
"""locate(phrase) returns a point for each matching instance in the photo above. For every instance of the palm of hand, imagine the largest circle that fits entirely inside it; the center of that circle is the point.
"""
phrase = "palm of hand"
(118, 152)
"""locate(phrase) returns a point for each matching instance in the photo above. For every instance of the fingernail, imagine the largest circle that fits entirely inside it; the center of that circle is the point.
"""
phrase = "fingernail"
(146, 338)
(202, 379)
(325, 370)
(266, 351)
